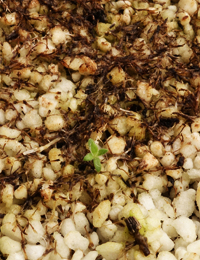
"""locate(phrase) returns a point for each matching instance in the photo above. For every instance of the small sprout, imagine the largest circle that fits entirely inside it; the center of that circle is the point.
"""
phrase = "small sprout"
(97, 164)
(93, 147)
(94, 153)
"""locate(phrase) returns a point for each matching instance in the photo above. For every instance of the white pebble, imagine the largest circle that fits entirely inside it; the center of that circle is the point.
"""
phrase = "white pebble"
(61, 247)
(168, 209)
(32, 119)
(101, 178)
(103, 44)
(118, 199)
(184, 203)
(175, 174)
(2, 117)
(154, 182)
(111, 164)
(9, 246)
(168, 159)
(166, 244)
(67, 225)
(180, 252)
(74, 240)
(58, 35)
(7, 194)
(66, 85)
(148, 162)
(186, 228)
(153, 223)
(21, 94)
(11, 229)
(180, 243)
(9, 132)
(188, 150)
(189, 6)
(197, 162)
(168, 148)
(77, 255)
(54, 255)
(100, 213)
(188, 164)
(194, 174)
(48, 174)
(32, 214)
(21, 192)
(115, 211)
(146, 200)
(191, 256)
(176, 145)
(110, 250)
(116, 145)
(195, 140)
(144, 91)
(16, 256)
(77, 207)
(168, 228)
(47, 102)
(157, 149)
(34, 252)
(81, 223)
(107, 231)
(76, 76)
(196, 125)
(54, 122)
(166, 256)
(94, 239)
(92, 255)
(194, 247)
(36, 168)
(34, 232)
(155, 245)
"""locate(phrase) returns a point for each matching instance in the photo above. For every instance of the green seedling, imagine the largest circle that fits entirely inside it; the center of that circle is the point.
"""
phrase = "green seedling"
(94, 154)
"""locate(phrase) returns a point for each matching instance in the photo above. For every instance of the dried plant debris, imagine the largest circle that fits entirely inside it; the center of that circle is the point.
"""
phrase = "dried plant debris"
(134, 227)
(126, 75)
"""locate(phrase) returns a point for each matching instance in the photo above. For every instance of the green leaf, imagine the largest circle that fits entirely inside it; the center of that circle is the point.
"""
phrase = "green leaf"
(102, 151)
(88, 157)
(97, 164)
(93, 147)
